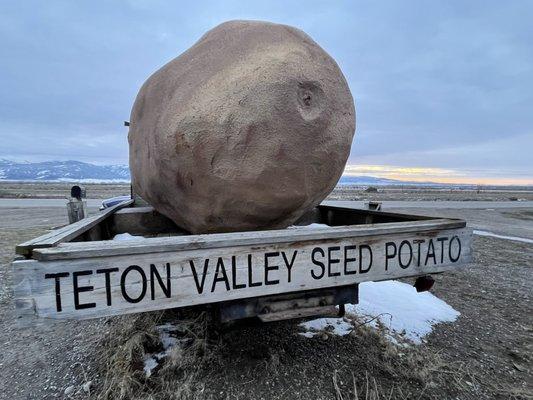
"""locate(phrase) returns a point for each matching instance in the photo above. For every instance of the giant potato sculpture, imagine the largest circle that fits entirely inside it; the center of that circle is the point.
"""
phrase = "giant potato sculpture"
(248, 129)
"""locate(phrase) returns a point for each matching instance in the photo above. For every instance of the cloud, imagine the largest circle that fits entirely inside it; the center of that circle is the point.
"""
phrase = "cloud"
(438, 175)
(500, 158)
(444, 85)
(98, 144)
(389, 170)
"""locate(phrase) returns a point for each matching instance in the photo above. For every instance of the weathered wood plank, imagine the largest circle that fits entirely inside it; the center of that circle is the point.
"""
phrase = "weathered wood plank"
(336, 215)
(90, 287)
(365, 211)
(68, 232)
(146, 220)
(142, 221)
(191, 242)
(76, 210)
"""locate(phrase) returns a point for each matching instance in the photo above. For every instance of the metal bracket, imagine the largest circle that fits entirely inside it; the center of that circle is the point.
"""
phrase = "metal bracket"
(292, 305)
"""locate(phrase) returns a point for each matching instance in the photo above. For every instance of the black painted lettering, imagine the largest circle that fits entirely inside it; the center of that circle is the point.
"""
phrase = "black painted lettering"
(269, 267)
(125, 294)
(289, 264)
(454, 259)
(57, 277)
(366, 247)
(388, 254)
(79, 289)
(154, 274)
(235, 285)
(318, 263)
(107, 276)
(400, 260)
(442, 240)
(251, 283)
(220, 270)
(418, 242)
(332, 261)
(430, 253)
(199, 284)
(348, 260)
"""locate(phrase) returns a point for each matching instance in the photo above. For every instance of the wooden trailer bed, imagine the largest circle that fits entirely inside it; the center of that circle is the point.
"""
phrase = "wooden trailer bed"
(78, 272)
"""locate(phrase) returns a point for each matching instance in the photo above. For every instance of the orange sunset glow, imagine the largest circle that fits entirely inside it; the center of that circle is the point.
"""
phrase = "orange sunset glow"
(436, 175)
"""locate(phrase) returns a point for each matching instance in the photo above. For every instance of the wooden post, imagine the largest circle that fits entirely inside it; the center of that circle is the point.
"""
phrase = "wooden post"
(77, 210)
(76, 207)
(373, 206)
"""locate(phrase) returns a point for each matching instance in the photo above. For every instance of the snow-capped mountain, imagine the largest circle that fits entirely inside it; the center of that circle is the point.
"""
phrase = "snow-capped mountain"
(50, 171)
(76, 171)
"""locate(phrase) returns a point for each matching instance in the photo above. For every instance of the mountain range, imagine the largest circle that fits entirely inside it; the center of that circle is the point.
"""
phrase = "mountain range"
(62, 171)
(77, 171)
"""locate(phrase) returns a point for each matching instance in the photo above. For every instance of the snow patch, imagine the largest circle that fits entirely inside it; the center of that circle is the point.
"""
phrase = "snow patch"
(90, 180)
(310, 226)
(336, 326)
(168, 335)
(150, 363)
(402, 309)
(126, 236)
(495, 235)
(395, 305)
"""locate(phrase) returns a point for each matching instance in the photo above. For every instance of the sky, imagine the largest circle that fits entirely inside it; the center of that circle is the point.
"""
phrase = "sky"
(443, 89)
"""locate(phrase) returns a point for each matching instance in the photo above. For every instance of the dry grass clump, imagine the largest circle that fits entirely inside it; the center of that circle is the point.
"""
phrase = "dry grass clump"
(134, 337)
(370, 390)
(253, 362)
(389, 370)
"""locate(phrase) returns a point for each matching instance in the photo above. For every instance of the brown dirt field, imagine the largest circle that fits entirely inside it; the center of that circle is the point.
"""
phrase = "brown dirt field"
(385, 193)
(342, 192)
(17, 190)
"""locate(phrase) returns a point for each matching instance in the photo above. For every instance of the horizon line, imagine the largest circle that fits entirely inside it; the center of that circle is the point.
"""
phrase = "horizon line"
(405, 174)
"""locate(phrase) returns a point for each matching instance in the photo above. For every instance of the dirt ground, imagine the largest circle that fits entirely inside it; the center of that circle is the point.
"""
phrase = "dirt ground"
(385, 193)
(17, 190)
(486, 354)
(343, 192)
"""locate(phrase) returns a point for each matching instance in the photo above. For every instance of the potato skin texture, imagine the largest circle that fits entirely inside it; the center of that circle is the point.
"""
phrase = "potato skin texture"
(246, 130)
